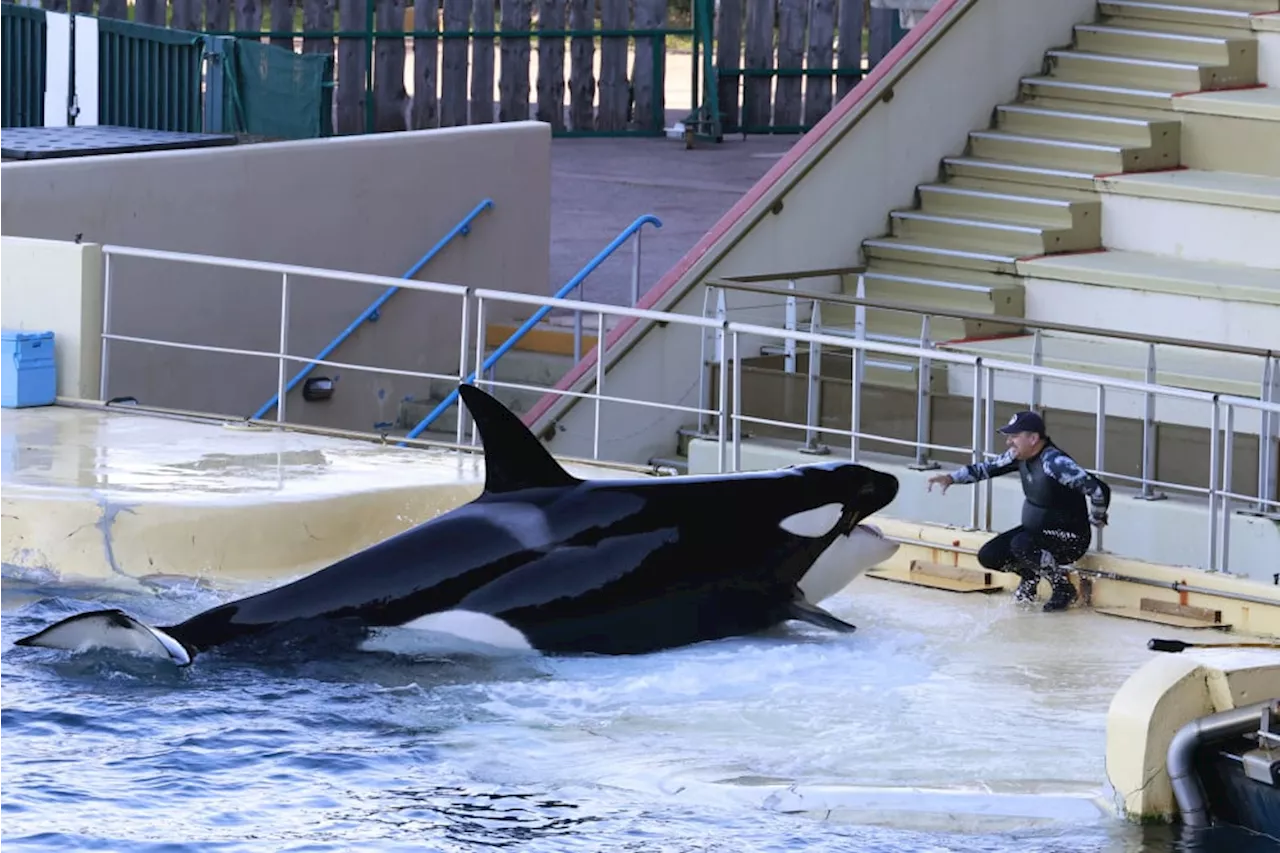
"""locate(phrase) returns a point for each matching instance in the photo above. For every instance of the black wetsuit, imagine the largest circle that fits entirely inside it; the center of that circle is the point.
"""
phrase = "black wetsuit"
(1055, 528)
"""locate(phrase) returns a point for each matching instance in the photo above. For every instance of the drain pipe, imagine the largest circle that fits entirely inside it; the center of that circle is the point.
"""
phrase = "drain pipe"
(1193, 805)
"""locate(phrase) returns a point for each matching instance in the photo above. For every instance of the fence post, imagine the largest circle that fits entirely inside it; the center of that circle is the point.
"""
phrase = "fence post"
(217, 50)
(813, 388)
(1100, 443)
(924, 403)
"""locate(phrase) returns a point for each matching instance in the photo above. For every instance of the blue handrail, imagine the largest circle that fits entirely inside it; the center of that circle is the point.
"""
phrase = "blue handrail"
(371, 313)
(519, 333)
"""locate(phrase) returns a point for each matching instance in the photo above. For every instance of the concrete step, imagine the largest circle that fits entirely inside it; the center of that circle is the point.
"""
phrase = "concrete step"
(1156, 295)
(916, 252)
(1010, 203)
(989, 234)
(1233, 5)
(1239, 52)
(1204, 13)
(1108, 69)
(1196, 215)
(1068, 155)
(1026, 120)
(1122, 93)
(1200, 370)
(937, 288)
(1042, 178)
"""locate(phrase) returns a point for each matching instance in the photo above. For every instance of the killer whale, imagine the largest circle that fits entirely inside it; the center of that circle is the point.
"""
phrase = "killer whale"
(566, 565)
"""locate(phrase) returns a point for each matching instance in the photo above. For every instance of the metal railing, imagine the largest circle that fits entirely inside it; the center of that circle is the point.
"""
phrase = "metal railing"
(370, 314)
(790, 296)
(726, 408)
(486, 364)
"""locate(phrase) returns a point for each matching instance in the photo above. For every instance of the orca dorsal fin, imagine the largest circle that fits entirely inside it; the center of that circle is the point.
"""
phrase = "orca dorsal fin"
(514, 459)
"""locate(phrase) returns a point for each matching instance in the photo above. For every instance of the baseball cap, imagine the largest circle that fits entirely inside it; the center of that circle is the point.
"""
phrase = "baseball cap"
(1023, 422)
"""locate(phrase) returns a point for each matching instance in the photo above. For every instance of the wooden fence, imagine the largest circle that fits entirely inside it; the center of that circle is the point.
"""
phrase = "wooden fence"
(766, 79)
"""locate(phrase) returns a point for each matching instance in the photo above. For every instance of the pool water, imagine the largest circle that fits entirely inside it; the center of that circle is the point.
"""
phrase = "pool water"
(945, 723)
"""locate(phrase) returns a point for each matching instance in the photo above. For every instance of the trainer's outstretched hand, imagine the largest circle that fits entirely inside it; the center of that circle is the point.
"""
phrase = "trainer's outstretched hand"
(943, 480)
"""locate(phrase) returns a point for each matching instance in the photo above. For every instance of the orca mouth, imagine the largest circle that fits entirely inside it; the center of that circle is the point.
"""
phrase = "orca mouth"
(872, 529)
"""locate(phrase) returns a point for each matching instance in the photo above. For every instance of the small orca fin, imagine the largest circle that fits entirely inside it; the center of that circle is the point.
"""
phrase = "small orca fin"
(109, 629)
(803, 611)
(514, 458)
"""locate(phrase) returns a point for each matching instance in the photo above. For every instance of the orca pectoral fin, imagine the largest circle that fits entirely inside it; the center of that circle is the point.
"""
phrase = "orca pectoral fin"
(109, 629)
(803, 611)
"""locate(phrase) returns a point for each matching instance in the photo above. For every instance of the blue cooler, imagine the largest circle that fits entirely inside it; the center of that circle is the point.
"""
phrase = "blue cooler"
(29, 377)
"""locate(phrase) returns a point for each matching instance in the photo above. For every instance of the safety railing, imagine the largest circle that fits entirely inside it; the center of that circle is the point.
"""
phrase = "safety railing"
(790, 298)
(1223, 408)
(486, 364)
(371, 313)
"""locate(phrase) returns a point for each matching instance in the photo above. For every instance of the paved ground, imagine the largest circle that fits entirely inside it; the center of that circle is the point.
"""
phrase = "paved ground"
(600, 186)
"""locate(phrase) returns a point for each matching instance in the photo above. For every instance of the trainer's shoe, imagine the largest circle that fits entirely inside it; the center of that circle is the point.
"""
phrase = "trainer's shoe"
(1028, 589)
(1063, 596)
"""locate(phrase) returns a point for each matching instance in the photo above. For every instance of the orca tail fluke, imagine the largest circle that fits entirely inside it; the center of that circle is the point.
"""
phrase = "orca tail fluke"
(109, 629)
(803, 611)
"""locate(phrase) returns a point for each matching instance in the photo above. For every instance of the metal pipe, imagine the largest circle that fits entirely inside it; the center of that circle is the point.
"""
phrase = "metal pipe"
(1149, 429)
(813, 385)
(723, 425)
(481, 334)
(1215, 427)
(599, 386)
(702, 361)
(1100, 445)
(1188, 791)
(791, 321)
(635, 272)
(1228, 441)
(284, 346)
(106, 327)
(988, 439)
(1037, 358)
(924, 398)
(737, 407)
(464, 343)
(977, 436)
(1267, 436)
(577, 334)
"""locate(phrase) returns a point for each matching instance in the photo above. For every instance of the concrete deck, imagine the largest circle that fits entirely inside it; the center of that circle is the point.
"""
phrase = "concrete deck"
(118, 496)
(600, 186)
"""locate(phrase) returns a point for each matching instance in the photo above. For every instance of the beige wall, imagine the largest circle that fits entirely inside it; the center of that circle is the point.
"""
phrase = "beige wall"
(49, 285)
(370, 204)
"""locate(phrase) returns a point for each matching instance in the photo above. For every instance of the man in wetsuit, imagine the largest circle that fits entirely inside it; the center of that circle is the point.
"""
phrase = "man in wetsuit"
(1055, 519)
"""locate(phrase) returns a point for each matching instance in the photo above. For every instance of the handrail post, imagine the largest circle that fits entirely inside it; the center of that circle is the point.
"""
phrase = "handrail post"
(106, 326)
(723, 420)
(924, 401)
(1149, 492)
(792, 323)
(1227, 454)
(857, 368)
(813, 388)
(1037, 360)
(1215, 427)
(1100, 444)
(703, 364)
(464, 344)
(988, 443)
(599, 386)
(1267, 438)
(481, 335)
(736, 404)
(284, 347)
(976, 437)
(635, 271)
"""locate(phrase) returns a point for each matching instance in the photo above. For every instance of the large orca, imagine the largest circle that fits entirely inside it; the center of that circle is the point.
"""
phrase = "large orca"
(547, 561)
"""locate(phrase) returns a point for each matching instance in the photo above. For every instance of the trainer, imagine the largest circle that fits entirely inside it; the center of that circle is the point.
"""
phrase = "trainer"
(1055, 529)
